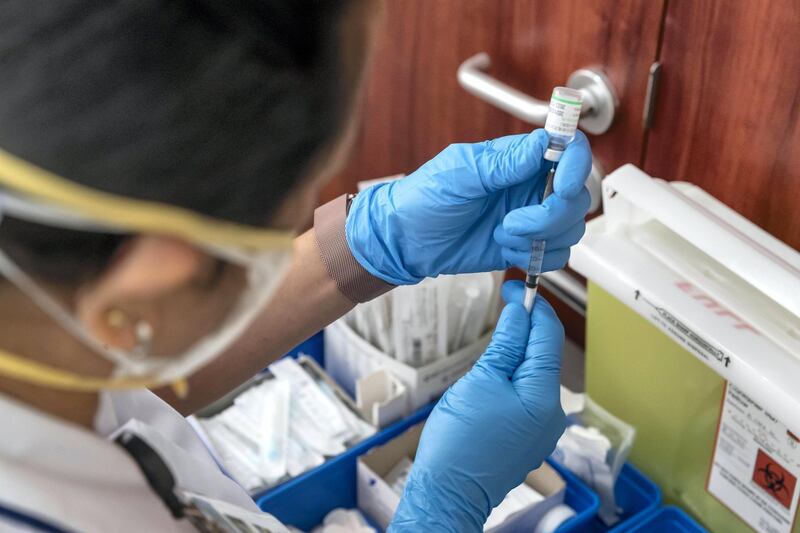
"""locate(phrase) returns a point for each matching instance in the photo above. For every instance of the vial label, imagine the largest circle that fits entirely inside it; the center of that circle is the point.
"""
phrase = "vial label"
(563, 116)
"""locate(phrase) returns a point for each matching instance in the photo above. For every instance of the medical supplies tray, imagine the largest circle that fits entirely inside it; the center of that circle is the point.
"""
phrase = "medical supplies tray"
(305, 500)
(635, 494)
(312, 365)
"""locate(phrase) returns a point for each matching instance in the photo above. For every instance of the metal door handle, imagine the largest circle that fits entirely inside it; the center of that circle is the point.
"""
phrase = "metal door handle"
(599, 99)
(596, 115)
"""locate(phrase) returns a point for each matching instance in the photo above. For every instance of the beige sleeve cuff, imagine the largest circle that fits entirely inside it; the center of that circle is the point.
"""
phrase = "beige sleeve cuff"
(352, 280)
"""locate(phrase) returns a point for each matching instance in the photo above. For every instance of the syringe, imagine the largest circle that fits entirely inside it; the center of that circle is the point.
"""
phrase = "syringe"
(561, 125)
(537, 252)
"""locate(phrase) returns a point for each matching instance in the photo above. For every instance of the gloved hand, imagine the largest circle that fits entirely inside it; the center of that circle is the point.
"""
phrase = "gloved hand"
(472, 208)
(492, 427)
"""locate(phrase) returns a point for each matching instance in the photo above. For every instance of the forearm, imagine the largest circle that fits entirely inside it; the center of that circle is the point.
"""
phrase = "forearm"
(324, 281)
(307, 301)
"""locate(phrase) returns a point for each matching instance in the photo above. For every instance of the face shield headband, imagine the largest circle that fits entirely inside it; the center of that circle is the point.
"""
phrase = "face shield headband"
(35, 195)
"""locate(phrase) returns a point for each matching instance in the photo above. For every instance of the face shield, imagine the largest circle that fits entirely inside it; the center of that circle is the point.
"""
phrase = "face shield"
(35, 195)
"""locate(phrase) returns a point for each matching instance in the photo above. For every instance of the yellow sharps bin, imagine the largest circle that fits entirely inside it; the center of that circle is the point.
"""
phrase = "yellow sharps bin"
(693, 337)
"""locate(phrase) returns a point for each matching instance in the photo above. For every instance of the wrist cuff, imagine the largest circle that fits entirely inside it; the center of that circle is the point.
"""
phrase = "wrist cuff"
(352, 280)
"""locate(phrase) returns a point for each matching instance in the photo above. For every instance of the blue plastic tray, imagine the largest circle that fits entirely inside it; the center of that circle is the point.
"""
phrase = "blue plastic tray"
(635, 494)
(305, 500)
(667, 520)
(578, 496)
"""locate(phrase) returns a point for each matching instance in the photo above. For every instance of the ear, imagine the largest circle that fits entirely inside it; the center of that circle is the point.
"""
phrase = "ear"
(146, 267)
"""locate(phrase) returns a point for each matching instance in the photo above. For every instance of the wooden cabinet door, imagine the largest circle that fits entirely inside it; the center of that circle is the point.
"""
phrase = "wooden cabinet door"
(414, 107)
(728, 110)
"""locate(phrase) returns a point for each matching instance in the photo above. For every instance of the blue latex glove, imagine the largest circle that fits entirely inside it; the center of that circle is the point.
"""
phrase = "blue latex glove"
(492, 427)
(472, 208)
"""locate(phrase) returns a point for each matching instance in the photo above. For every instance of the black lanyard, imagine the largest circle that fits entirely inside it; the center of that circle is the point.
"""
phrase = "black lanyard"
(155, 470)
(161, 480)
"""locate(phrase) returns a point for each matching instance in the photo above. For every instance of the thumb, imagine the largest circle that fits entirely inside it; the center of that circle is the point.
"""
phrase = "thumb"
(574, 168)
(507, 349)
(539, 374)
(510, 161)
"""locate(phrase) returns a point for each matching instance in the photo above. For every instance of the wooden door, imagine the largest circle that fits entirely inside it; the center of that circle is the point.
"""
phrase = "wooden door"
(728, 109)
(413, 106)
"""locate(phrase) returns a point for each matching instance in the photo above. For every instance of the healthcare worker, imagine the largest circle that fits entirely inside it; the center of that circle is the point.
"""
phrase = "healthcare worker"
(157, 159)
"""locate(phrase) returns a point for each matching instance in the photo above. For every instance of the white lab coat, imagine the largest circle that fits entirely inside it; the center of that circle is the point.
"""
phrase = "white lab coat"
(78, 480)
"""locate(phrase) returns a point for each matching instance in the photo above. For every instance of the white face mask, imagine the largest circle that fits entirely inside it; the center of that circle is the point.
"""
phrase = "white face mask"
(264, 270)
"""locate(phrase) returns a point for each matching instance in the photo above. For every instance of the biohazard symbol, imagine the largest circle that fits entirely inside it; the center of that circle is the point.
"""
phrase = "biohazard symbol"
(773, 478)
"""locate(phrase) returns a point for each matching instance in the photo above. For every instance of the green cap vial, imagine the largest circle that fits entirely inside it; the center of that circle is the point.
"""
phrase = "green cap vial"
(562, 120)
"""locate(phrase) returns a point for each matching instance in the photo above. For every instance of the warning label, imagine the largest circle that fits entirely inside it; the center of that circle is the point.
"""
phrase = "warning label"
(775, 479)
(756, 465)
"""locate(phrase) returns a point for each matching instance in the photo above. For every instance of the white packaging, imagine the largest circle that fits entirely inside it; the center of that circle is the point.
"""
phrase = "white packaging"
(240, 464)
(379, 500)
(495, 302)
(470, 302)
(344, 521)
(554, 518)
(434, 315)
(300, 459)
(594, 447)
(519, 499)
(323, 418)
(538, 504)
(349, 358)
(419, 318)
(381, 398)
(273, 427)
(584, 451)
(361, 323)
(307, 398)
(379, 309)
(268, 403)
(357, 429)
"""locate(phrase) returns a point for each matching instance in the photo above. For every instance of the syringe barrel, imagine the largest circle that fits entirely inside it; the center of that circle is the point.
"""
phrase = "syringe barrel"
(561, 125)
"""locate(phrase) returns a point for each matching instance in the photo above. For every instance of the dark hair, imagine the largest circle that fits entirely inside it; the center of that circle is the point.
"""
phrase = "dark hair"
(219, 106)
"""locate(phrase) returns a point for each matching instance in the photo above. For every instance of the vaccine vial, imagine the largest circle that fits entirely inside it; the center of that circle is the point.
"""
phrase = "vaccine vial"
(562, 121)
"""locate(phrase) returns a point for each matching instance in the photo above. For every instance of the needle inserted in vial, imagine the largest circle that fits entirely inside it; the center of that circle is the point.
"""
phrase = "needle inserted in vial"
(561, 125)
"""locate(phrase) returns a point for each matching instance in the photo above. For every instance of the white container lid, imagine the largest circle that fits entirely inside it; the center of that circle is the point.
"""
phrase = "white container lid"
(715, 282)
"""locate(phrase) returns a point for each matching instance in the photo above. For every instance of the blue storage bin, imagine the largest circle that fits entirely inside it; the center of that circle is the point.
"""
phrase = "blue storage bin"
(305, 500)
(667, 520)
(635, 494)
(578, 496)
